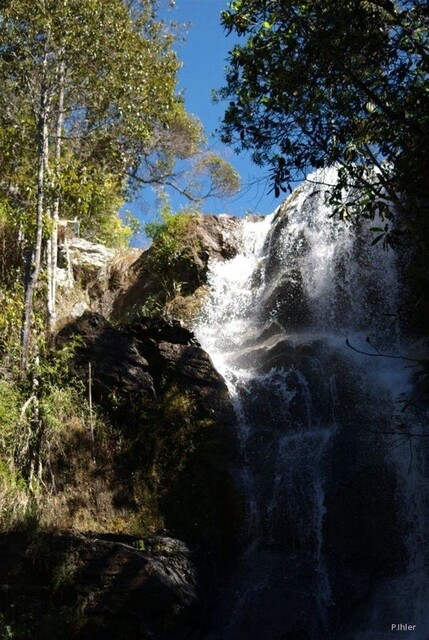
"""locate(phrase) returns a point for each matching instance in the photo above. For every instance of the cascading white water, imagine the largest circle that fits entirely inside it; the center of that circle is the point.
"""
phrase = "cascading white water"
(309, 410)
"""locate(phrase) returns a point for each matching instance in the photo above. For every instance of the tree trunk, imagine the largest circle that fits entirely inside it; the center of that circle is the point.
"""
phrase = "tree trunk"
(53, 243)
(32, 280)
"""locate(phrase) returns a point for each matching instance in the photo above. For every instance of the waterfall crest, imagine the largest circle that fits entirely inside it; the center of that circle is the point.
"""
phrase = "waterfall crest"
(335, 543)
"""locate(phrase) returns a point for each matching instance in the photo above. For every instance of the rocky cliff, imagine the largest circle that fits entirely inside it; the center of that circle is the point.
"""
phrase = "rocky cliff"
(170, 411)
(124, 283)
(143, 506)
(170, 451)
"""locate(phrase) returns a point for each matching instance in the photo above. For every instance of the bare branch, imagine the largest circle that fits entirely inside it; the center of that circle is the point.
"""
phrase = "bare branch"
(383, 355)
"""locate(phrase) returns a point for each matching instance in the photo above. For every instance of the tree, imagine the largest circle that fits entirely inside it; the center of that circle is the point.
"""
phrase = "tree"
(335, 82)
(88, 104)
(177, 159)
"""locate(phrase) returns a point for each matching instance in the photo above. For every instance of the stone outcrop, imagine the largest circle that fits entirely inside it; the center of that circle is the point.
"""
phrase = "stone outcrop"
(90, 276)
(72, 586)
(120, 284)
(210, 238)
(173, 412)
(135, 360)
(89, 257)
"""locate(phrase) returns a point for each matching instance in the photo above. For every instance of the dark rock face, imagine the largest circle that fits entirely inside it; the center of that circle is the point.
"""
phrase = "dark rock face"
(135, 360)
(115, 360)
(285, 289)
(71, 586)
(158, 591)
(161, 392)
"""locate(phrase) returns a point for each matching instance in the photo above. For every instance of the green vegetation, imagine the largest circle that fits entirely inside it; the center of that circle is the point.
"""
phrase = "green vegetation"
(171, 257)
(88, 113)
(336, 82)
(60, 458)
(37, 417)
(169, 270)
(18, 507)
(76, 119)
(170, 234)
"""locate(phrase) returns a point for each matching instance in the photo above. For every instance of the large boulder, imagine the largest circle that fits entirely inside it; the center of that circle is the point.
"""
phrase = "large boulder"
(136, 361)
(174, 418)
(70, 586)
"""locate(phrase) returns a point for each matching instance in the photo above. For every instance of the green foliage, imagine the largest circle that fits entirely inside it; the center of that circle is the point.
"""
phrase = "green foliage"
(11, 243)
(18, 506)
(121, 70)
(60, 402)
(319, 83)
(11, 303)
(224, 180)
(36, 419)
(121, 123)
(10, 402)
(170, 233)
(152, 307)
(170, 256)
(57, 457)
(94, 197)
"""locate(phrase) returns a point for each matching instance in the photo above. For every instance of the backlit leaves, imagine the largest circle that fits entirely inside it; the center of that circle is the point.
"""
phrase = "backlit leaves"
(319, 83)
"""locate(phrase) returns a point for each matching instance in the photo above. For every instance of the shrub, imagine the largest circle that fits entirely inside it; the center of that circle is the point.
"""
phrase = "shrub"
(18, 508)
(170, 235)
(10, 401)
(11, 304)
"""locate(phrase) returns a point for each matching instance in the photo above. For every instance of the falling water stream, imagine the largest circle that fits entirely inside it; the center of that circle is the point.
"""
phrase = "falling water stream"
(334, 545)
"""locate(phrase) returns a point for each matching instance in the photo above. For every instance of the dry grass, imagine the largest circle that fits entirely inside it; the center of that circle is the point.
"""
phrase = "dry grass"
(187, 308)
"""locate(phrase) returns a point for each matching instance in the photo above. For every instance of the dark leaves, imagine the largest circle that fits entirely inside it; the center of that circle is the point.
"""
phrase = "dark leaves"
(334, 82)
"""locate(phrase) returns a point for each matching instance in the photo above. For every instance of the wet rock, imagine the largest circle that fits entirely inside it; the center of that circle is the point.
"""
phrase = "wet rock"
(308, 402)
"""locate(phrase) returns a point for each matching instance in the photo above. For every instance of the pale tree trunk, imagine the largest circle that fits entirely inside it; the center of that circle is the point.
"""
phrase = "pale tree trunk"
(53, 241)
(36, 257)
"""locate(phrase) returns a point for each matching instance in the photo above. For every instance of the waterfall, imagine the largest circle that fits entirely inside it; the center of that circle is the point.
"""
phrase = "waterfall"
(335, 540)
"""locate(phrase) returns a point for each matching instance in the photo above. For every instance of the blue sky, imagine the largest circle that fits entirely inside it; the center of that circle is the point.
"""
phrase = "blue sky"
(204, 56)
